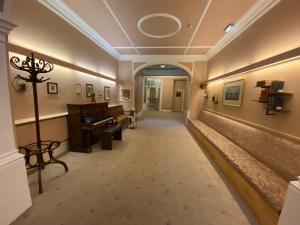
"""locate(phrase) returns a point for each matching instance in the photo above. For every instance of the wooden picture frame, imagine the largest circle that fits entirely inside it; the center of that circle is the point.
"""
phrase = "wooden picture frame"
(107, 95)
(125, 94)
(89, 89)
(233, 93)
(52, 88)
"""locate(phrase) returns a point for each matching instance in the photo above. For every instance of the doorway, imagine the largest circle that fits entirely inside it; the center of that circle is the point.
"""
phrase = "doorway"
(152, 89)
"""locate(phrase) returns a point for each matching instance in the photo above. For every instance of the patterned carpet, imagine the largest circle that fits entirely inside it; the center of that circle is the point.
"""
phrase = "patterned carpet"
(157, 175)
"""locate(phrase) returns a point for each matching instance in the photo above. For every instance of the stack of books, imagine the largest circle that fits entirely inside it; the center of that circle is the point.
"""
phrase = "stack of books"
(263, 83)
(264, 95)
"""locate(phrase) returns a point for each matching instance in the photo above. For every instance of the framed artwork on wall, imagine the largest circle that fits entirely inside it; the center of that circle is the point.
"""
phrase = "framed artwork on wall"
(125, 94)
(106, 93)
(77, 88)
(52, 88)
(233, 93)
(89, 90)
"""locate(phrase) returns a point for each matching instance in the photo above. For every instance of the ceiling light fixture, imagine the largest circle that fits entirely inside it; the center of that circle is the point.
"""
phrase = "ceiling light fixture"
(228, 28)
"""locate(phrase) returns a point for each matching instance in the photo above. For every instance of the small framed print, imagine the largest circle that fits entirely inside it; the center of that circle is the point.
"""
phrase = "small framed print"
(52, 88)
(89, 90)
(77, 88)
(107, 93)
(125, 94)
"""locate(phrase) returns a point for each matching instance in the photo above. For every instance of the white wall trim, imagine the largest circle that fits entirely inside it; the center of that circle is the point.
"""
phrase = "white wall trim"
(61, 9)
(174, 58)
(162, 47)
(9, 158)
(163, 62)
(5, 28)
(198, 25)
(259, 9)
(119, 24)
(44, 117)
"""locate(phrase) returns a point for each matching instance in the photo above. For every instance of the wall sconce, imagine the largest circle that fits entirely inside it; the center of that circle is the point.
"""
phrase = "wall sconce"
(203, 85)
(215, 98)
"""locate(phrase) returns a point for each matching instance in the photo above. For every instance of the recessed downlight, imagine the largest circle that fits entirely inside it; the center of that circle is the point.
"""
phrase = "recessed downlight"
(229, 28)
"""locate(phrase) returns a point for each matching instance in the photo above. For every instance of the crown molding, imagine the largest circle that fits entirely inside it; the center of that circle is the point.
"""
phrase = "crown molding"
(6, 26)
(160, 47)
(174, 58)
(259, 9)
(63, 11)
(119, 24)
(198, 25)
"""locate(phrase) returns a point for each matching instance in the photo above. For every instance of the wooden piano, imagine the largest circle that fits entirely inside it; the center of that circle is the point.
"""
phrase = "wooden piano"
(85, 122)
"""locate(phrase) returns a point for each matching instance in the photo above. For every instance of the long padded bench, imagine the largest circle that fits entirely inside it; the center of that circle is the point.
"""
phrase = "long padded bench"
(257, 163)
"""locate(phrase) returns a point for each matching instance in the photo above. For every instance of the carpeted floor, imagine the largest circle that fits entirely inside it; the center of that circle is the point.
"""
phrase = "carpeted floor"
(157, 175)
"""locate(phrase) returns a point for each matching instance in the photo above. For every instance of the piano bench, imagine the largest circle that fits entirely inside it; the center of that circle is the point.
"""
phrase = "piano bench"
(108, 134)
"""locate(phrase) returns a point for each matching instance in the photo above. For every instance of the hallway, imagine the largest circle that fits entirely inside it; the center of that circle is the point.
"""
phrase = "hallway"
(156, 176)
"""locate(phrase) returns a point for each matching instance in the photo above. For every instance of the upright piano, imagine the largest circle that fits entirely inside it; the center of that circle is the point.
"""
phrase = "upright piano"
(85, 122)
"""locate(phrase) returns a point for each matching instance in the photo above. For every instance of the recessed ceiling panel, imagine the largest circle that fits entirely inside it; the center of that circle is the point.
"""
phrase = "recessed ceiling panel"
(129, 12)
(95, 14)
(197, 51)
(127, 51)
(161, 51)
(220, 13)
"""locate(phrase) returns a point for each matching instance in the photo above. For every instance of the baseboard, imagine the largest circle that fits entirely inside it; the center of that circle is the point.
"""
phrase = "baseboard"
(14, 189)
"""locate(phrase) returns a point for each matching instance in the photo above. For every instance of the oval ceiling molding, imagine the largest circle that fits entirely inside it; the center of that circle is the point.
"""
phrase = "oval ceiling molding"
(155, 15)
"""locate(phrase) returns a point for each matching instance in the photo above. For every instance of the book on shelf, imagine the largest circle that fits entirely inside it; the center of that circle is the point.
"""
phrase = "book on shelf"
(263, 83)
(264, 94)
(277, 85)
(275, 102)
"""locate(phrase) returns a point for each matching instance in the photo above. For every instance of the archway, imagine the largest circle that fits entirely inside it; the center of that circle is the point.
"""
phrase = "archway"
(168, 99)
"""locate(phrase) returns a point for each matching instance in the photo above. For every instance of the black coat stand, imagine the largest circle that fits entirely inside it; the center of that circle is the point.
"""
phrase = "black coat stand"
(40, 147)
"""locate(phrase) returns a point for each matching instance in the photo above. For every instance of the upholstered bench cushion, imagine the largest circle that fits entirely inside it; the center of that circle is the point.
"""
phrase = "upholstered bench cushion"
(121, 118)
(262, 178)
(279, 154)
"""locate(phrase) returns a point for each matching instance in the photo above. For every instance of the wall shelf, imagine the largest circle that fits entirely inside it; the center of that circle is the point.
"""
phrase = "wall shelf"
(272, 96)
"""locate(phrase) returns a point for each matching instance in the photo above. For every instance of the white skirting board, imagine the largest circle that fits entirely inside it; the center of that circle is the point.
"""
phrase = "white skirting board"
(290, 213)
(14, 189)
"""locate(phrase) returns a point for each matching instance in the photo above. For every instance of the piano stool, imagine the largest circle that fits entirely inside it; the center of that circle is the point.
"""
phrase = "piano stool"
(108, 134)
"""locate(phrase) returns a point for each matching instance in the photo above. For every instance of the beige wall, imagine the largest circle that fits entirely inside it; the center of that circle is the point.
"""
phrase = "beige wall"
(139, 98)
(126, 80)
(199, 76)
(46, 33)
(278, 31)
(167, 93)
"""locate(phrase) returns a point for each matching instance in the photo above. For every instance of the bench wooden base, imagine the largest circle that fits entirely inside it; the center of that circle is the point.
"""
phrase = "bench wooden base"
(109, 134)
(265, 214)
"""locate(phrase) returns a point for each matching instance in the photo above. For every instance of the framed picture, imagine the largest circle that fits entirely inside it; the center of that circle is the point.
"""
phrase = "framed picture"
(52, 88)
(89, 90)
(77, 88)
(125, 94)
(106, 93)
(233, 93)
